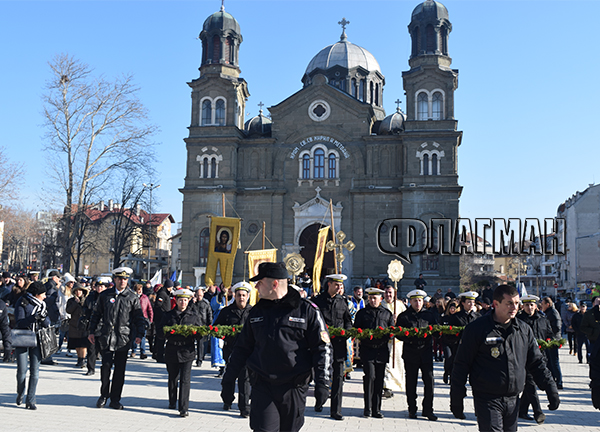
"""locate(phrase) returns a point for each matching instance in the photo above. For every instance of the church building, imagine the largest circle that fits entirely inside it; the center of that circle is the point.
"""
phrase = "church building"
(330, 140)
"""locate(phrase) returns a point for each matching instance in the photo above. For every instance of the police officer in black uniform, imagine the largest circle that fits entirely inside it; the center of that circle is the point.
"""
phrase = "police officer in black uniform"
(495, 352)
(374, 353)
(162, 305)
(418, 354)
(541, 330)
(334, 309)
(204, 311)
(235, 315)
(467, 314)
(284, 340)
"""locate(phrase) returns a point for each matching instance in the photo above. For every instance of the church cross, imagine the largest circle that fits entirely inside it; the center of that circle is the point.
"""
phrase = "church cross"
(260, 105)
(398, 102)
(343, 23)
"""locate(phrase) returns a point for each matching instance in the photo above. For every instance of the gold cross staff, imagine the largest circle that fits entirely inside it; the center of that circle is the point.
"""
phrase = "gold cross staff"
(339, 247)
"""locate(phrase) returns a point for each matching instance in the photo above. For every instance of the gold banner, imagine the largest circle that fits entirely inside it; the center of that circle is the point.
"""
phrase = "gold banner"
(321, 241)
(222, 246)
(255, 258)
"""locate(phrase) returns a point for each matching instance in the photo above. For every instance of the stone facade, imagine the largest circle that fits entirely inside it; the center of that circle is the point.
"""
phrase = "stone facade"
(329, 141)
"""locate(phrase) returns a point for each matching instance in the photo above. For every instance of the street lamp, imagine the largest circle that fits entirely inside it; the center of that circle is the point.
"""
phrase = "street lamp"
(150, 187)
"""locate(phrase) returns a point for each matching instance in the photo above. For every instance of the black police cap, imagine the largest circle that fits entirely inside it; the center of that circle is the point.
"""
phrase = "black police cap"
(271, 270)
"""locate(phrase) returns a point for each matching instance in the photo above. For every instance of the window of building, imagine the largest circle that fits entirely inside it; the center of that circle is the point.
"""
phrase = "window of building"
(213, 168)
(377, 94)
(437, 106)
(319, 171)
(206, 112)
(371, 92)
(205, 168)
(444, 36)
(305, 166)
(220, 112)
(343, 85)
(430, 160)
(216, 49)
(422, 106)
(431, 42)
(434, 164)
(331, 166)
(353, 87)
(415, 41)
(203, 249)
(426, 164)
(362, 90)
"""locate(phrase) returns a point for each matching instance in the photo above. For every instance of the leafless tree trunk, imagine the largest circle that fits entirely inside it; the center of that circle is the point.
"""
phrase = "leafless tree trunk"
(11, 176)
(94, 127)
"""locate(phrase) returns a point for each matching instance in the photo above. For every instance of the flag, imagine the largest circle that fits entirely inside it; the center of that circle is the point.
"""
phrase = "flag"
(174, 276)
(180, 278)
(157, 278)
(222, 246)
(319, 254)
(255, 258)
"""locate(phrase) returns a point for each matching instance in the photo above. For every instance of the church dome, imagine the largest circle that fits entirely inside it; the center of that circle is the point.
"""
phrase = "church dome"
(430, 9)
(392, 124)
(221, 21)
(344, 54)
(259, 125)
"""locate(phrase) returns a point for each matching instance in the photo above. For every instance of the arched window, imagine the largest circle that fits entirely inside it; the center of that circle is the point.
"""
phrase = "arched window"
(371, 91)
(216, 49)
(305, 166)
(205, 168)
(343, 85)
(362, 90)
(319, 171)
(444, 35)
(416, 34)
(437, 107)
(431, 42)
(230, 50)
(434, 164)
(422, 106)
(331, 166)
(213, 168)
(354, 87)
(220, 112)
(425, 164)
(203, 247)
(206, 112)
(377, 94)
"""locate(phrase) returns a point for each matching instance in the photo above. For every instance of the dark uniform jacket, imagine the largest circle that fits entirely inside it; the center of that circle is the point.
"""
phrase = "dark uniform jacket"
(371, 318)
(555, 321)
(52, 301)
(497, 360)
(4, 327)
(336, 314)
(204, 311)
(459, 319)
(180, 349)
(282, 341)
(415, 347)
(539, 325)
(121, 318)
(590, 324)
(162, 305)
(231, 316)
(88, 308)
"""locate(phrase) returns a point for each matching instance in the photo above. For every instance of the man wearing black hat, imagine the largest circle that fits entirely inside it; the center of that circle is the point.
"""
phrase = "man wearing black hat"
(334, 309)
(284, 340)
(119, 311)
(162, 305)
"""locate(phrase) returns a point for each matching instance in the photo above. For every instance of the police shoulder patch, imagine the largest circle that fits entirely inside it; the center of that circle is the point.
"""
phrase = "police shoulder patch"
(325, 336)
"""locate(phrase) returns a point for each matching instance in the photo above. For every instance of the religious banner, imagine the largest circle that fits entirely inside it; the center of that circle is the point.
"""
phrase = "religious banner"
(321, 241)
(255, 258)
(222, 246)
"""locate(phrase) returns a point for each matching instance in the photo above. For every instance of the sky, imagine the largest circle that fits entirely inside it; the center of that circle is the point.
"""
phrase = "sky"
(526, 101)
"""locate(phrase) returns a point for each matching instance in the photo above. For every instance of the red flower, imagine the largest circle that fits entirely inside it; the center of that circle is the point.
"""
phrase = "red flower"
(399, 329)
(425, 335)
(406, 333)
(416, 330)
(172, 332)
(222, 337)
(359, 330)
(430, 328)
(450, 328)
(539, 346)
(457, 334)
(216, 329)
(393, 328)
(210, 327)
(233, 329)
(380, 328)
(332, 336)
(548, 340)
(343, 332)
(391, 335)
(193, 331)
(371, 337)
(560, 346)
(327, 326)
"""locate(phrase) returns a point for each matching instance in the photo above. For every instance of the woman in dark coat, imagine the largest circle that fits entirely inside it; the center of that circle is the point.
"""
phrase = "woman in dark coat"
(180, 352)
(77, 328)
(30, 313)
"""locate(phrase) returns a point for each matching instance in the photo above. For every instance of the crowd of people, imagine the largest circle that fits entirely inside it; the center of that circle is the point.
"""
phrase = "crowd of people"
(284, 344)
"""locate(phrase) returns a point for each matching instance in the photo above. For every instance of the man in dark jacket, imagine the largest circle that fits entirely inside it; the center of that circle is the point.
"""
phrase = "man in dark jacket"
(5, 330)
(162, 305)
(552, 353)
(204, 311)
(122, 321)
(495, 352)
(51, 301)
(417, 354)
(235, 315)
(99, 285)
(374, 353)
(541, 330)
(334, 309)
(590, 325)
(580, 336)
(284, 340)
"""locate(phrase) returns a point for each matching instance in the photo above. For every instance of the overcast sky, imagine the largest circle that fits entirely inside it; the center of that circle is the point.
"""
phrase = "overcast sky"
(526, 101)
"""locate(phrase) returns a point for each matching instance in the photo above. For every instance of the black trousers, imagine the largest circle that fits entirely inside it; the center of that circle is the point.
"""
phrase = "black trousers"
(277, 407)
(180, 375)
(449, 353)
(582, 341)
(159, 348)
(412, 375)
(228, 392)
(337, 386)
(530, 397)
(496, 414)
(119, 360)
(92, 356)
(200, 344)
(373, 385)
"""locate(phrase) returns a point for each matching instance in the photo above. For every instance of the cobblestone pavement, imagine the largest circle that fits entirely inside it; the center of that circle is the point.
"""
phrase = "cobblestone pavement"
(67, 398)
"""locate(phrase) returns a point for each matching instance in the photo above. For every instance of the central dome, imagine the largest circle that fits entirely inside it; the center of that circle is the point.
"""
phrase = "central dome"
(344, 54)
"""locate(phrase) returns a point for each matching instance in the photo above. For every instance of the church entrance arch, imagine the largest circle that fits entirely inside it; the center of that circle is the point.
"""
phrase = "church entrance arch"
(308, 249)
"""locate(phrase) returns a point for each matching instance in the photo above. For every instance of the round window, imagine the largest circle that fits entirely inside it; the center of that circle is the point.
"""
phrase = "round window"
(319, 110)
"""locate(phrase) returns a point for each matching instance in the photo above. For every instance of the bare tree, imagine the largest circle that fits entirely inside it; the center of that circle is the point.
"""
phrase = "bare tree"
(94, 127)
(10, 178)
(20, 232)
